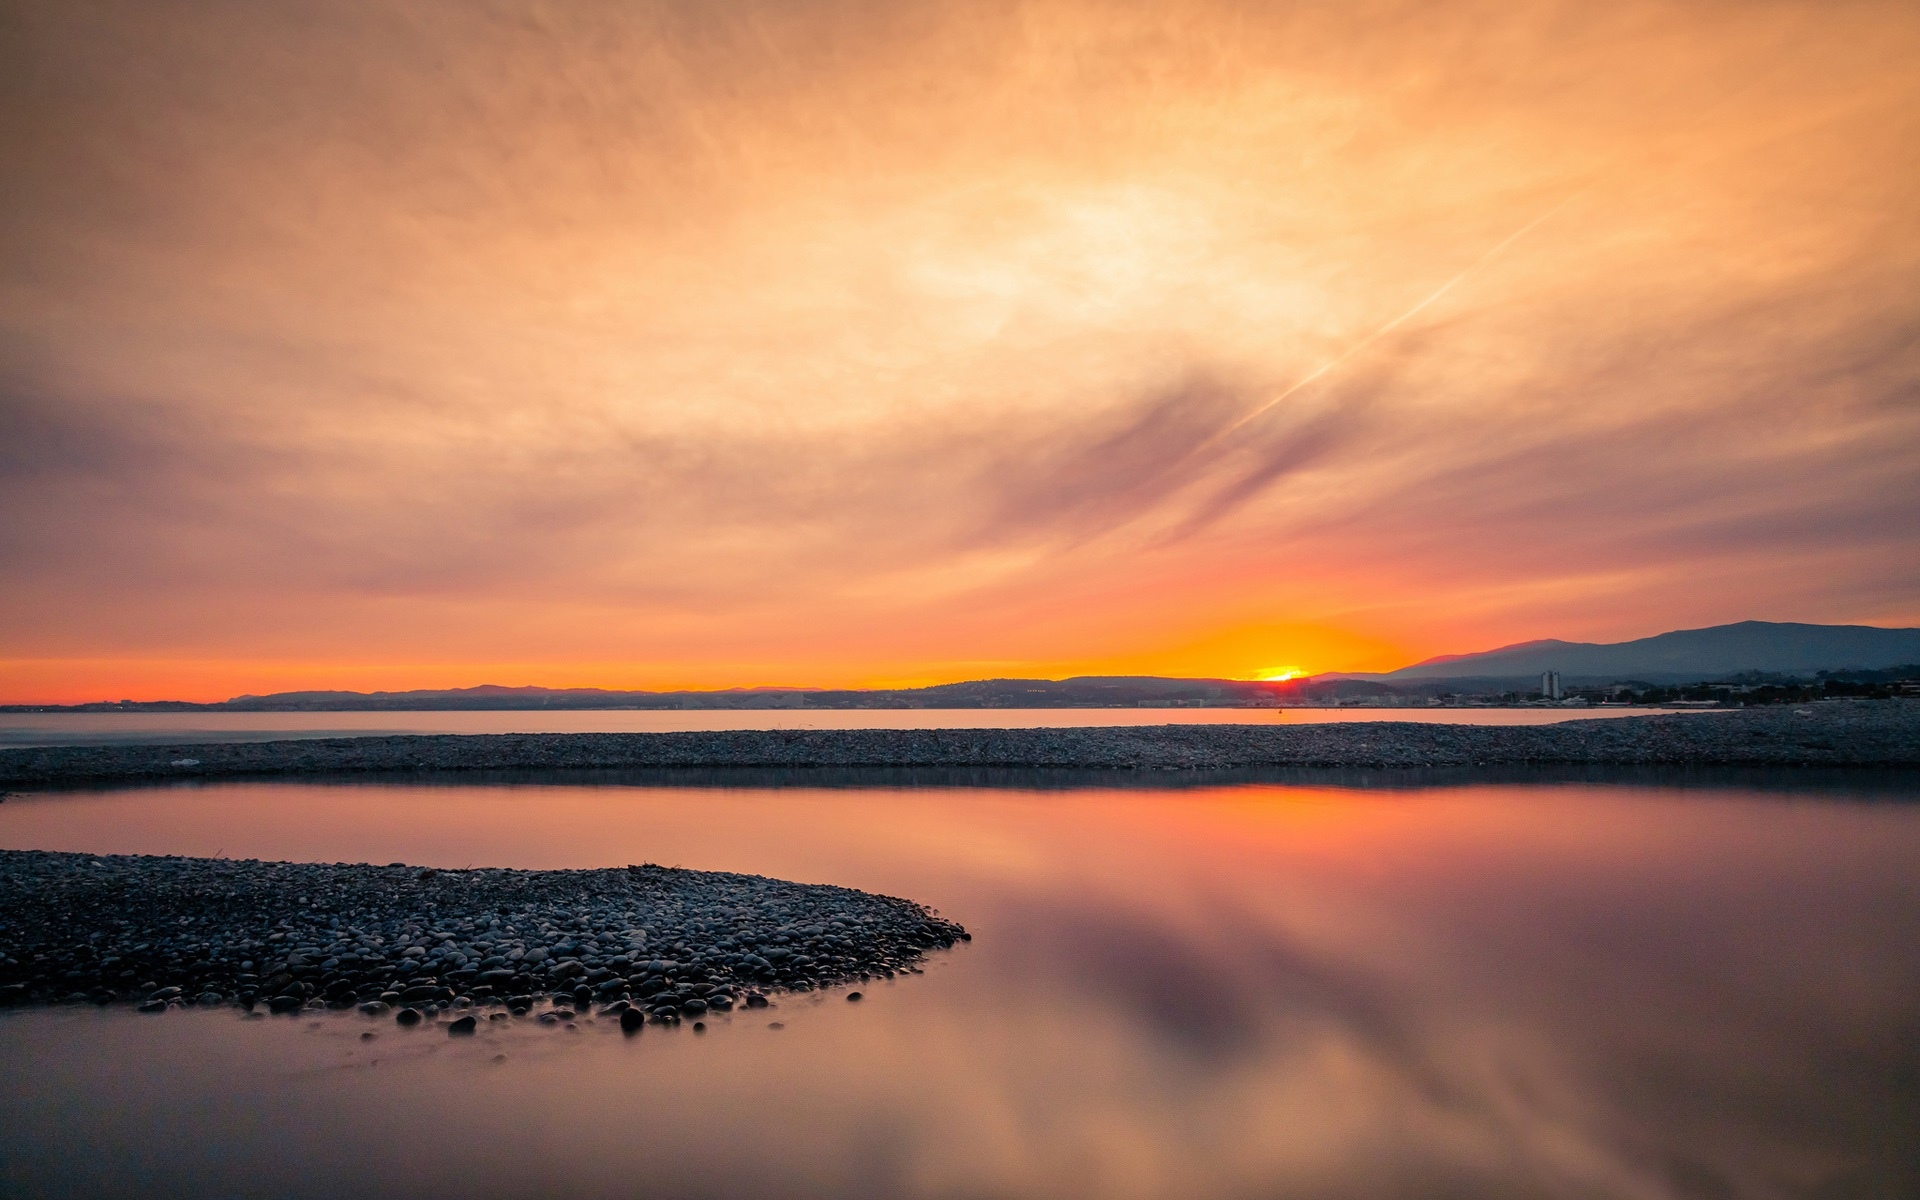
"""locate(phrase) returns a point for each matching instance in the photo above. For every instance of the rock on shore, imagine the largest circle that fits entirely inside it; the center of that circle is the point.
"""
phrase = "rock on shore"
(1832, 733)
(165, 932)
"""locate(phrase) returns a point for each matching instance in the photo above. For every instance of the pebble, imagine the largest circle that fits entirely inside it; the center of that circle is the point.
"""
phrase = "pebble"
(464, 1027)
(313, 937)
(1855, 732)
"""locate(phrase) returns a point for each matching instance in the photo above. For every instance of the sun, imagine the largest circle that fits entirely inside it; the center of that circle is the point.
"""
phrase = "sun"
(1279, 674)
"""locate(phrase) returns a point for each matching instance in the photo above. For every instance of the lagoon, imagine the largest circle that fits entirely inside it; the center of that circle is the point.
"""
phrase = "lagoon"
(1640, 984)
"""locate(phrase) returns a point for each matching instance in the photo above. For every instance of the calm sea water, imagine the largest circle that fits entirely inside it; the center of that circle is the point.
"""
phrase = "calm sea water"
(1636, 986)
(99, 729)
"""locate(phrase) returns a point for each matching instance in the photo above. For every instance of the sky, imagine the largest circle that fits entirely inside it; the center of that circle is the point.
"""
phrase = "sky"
(885, 342)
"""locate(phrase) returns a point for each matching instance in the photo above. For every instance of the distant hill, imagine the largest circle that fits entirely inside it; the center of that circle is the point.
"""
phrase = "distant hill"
(1079, 692)
(1686, 655)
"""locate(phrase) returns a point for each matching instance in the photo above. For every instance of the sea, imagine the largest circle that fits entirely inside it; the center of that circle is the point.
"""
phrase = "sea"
(1640, 984)
(179, 728)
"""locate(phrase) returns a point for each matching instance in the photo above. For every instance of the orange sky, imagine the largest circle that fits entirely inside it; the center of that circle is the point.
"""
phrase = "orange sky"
(833, 342)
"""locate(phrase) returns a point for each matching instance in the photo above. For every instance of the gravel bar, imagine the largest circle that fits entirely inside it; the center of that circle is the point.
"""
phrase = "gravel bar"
(644, 943)
(1877, 733)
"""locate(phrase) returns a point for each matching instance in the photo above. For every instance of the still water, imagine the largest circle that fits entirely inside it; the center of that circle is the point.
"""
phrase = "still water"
(101, 729)
(1635, 986)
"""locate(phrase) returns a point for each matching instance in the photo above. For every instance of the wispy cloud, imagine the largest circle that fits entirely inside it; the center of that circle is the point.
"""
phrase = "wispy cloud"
(800, 335)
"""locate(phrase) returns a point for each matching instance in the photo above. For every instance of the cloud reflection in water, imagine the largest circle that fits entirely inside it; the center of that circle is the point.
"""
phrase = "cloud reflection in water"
(1538, 989)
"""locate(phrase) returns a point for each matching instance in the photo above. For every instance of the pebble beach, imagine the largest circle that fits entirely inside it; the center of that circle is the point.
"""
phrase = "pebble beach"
(642, 944)
(1879, 733)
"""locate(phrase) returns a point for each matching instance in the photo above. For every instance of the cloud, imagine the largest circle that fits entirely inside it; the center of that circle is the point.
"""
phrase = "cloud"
(900, 317)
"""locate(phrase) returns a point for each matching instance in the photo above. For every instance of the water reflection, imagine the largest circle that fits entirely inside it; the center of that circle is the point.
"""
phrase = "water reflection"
(186, 728)
(1638, 987)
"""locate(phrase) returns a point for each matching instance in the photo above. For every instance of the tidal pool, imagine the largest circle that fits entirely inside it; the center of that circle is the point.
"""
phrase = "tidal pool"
(1629, 985)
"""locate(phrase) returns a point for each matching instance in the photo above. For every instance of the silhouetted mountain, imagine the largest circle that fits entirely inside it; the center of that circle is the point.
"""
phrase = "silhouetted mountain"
(1751, 650)
(1687, 655)
(1081, 692)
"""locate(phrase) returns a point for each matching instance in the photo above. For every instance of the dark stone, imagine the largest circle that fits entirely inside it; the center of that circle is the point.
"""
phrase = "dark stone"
(631, 1020)
(464, 1027)
(407, 1016)
(852, 996)
(308, 931)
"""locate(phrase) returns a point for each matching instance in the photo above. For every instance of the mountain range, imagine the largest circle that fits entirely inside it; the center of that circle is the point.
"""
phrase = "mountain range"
(1748, 648)
(1685, 655)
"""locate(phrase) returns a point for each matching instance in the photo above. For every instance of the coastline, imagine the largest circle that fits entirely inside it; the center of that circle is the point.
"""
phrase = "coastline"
(1867, 733)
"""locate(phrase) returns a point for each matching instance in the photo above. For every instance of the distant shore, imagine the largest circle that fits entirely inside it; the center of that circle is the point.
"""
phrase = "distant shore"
(1883, 733)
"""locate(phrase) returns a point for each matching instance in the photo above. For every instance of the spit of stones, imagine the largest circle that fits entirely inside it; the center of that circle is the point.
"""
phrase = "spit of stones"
(1880, 733)
(643, 943)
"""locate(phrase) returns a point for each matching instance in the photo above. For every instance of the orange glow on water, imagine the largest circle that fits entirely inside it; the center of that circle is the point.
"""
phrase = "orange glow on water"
(1199, 992)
